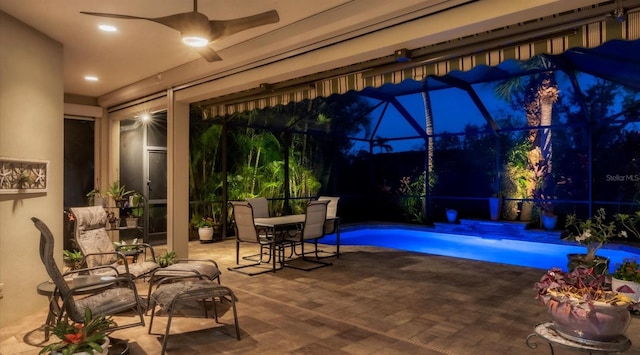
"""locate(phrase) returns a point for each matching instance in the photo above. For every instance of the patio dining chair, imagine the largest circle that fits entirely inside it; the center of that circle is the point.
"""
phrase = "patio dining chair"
(247, 232)
(332, 212)
(312, 230)
(104, 296)
(260, 206)
(332, 223)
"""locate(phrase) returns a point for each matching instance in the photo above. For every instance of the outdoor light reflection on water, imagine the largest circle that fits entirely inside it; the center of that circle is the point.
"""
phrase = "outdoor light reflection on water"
(506, 251)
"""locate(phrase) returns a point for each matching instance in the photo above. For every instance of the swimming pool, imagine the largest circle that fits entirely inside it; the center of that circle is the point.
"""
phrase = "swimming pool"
(486, 248)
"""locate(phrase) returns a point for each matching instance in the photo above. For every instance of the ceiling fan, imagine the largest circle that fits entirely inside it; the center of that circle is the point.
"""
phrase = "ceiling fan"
(198, 31)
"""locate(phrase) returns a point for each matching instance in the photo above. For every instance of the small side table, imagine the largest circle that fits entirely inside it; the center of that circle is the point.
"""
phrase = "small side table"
(548, 333)
(47, 288)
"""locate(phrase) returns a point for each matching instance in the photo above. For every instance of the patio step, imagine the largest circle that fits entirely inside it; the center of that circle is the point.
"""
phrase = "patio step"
(504, 229)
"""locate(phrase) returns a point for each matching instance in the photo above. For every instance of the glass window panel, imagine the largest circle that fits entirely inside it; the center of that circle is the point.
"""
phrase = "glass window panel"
(131, 157)
(157, 130)
(157, 175)
(79, 164)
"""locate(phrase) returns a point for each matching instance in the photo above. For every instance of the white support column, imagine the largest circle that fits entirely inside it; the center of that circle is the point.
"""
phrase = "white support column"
(177, 176)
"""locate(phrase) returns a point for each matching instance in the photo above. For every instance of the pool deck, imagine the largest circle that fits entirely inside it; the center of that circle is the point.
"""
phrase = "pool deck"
(370, 301)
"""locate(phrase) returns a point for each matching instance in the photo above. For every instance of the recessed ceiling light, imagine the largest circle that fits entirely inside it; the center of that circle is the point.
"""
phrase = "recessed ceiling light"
(90, 78)
(108, 28)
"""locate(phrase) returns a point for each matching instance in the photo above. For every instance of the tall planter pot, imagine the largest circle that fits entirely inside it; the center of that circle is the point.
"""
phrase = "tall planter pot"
(452, 215)
(205, 234)
(549, 222)
(495, 206)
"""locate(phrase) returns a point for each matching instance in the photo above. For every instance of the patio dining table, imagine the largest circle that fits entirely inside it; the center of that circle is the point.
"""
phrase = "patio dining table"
(283, 223)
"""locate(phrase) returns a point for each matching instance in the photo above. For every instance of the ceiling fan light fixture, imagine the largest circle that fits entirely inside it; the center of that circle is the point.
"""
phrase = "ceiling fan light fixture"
(108, 28)
(195, 40)
(197, 31)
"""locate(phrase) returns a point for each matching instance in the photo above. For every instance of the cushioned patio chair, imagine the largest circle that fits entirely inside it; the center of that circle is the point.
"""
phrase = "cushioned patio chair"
(94, 242)
(247, 232)
(104, 296)
(96, 245)
(313, 229)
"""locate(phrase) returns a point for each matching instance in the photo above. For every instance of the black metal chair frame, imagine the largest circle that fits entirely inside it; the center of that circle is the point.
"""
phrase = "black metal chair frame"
(247, 232)
(309, 232)
(198, 290)
(67, 294)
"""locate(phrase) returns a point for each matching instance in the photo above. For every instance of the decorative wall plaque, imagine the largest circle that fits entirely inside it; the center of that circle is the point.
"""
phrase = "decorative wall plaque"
(23, 176)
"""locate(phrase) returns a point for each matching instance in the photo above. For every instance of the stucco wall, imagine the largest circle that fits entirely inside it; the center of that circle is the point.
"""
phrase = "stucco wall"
(31, 127)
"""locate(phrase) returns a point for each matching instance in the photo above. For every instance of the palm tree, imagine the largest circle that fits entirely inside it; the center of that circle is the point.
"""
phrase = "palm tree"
(382, 143)
(540, 93)
(428, 116)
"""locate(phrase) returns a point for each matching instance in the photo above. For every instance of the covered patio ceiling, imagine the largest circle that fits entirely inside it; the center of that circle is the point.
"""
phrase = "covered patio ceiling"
(617, 61)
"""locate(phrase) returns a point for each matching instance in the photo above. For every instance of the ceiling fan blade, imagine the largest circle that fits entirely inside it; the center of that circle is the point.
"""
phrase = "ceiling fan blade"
(224, 28)
(183, 21)
(209, 54)
(100, 14)
(178, 22)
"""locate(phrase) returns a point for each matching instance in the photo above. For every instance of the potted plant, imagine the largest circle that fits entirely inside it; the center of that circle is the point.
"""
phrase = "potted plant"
(582, 307)
(548, 217)
(88, 337)
(626, 278)
(166, 259)
(136, 209)
(73, 259)
(118, 193)
(205, 229)
(592, 233)
(112, 220)
(130, 250)
(495, 205)
(95, 198)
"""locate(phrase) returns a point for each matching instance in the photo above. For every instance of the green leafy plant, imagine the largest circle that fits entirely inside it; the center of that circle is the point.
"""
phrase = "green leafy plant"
(73, 258)
(123, 246)
(117, 192)
(630, 223)
(205, 222)
(166, 259)
(92, 195)
(136, 205)
(79, 337)
(592, 233)
(628, 270)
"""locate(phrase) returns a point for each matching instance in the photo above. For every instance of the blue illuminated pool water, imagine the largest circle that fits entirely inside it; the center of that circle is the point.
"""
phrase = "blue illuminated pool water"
(486, 248)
